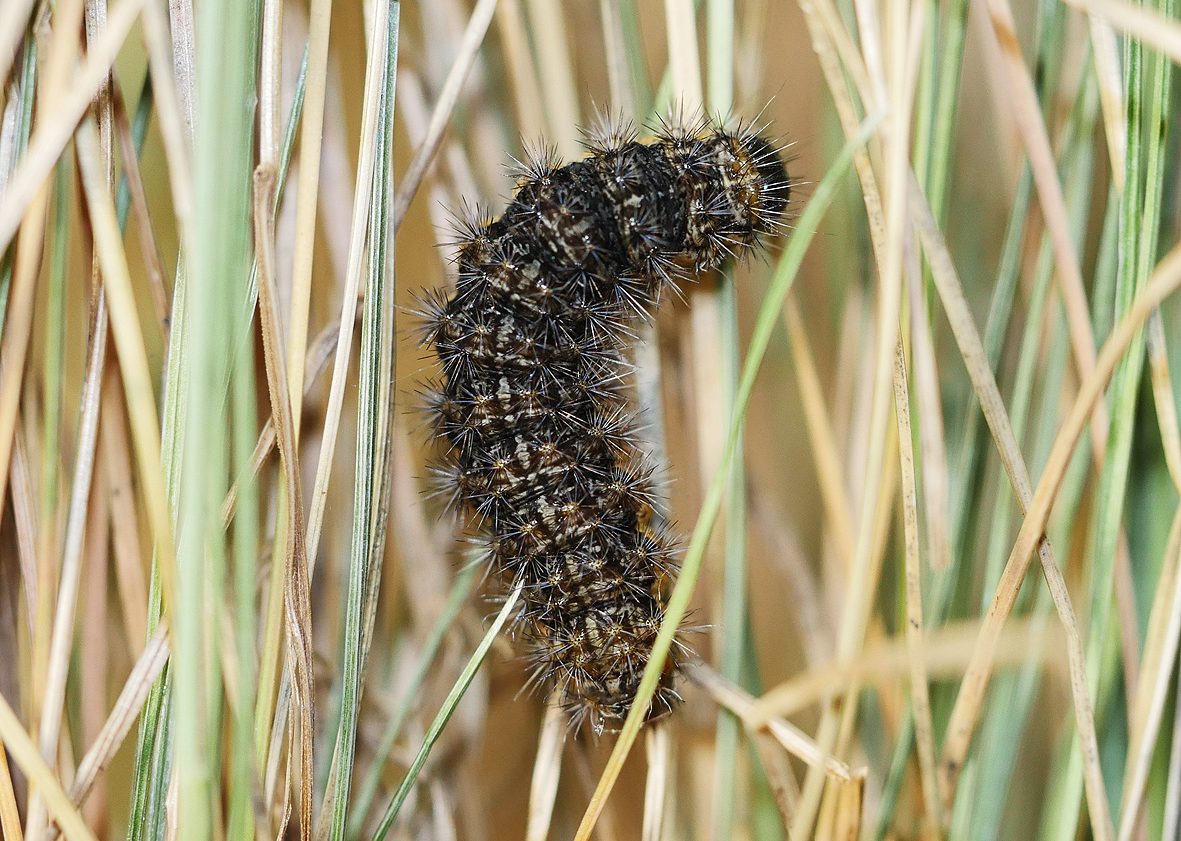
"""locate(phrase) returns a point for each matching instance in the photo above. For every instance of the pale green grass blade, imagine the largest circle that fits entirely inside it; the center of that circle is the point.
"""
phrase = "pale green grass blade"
(220, 268)
(1000, 740)
(369, 508)
(719, 91)
(678, 603)
(1139, 219)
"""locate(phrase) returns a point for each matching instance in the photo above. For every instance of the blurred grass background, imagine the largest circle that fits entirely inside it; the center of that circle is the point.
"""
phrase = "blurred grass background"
(229, 613)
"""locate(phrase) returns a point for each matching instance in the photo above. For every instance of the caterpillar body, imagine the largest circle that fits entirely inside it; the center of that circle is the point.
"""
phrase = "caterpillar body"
(542, 451)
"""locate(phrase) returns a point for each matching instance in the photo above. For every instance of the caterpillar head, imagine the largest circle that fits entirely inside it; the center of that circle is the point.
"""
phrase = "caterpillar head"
(738, 190)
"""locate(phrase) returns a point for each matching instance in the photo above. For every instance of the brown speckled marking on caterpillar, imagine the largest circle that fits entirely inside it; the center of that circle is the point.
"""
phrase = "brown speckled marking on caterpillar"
(542, 453)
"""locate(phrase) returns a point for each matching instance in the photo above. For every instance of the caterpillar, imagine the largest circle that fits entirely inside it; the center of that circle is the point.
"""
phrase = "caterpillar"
(532, 407)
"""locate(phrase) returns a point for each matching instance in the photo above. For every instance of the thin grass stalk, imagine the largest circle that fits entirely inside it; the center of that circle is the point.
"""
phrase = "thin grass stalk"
(10, 818)
(1160, 653)
(679, 601)
(1172, 806)
(311, 125)
(821, 436)
(311, 122)
(24, 753)
(145, 789)
(968, 701)
(360, 215)
(171, 60)
(52, 135)
(904, 29)
(1013, 695)
(62, 639)
(1049, 188)
(920, 698)
(294, 585)
(461, 589)
(122, 716)
(1048, 54)
(888, 660)
(368, 168)
(128, 341)
(950, 68)
(523, 74)
(48, 668)
(543, 787)
(444, 715)
(372, 418)
(641, 84)
(719, 87)
(659, 753)
(558, 88)
(14, 25)
(623, 94)
(734, 572)
(1148, 85)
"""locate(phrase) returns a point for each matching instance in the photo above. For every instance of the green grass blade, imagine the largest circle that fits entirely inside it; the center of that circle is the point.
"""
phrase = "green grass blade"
(372, 425)
(678, 604)
(444, 715)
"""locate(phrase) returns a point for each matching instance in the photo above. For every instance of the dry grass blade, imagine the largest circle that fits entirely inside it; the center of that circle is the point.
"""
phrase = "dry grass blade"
(1146, 24)
(850, 807)
(659, 750)
(946, 654)
(139, 206)
(751, 711)
(1049, 188)
(129, 565)
(123, 714)
(473, 37)
(522, 74)
(51, 137)
(10, 818)
(296, 586)
(317, 361)
(169, 49)
(968, 702)
(681, 25)
(62, 639)
(820, 432)
(12, 27)
(125, 325)
(556, 74)
(547, 769)
(1165, 398)
(1111, 97)
(932, 440)
(311, 134)
(348, 312)
(1160, 653)
(24, 752)
(920, 699)
(904, 30)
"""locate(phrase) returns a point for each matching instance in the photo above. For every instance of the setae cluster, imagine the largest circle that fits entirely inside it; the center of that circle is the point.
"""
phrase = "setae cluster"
(542, 451)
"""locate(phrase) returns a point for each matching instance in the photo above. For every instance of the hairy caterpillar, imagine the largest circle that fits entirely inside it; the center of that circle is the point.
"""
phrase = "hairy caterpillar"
(542, 452)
